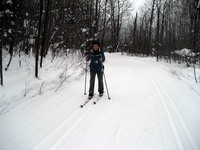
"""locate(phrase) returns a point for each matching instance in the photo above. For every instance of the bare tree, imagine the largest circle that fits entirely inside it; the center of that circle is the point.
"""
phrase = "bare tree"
(104, 22)
(118, 9)
(157, 38)
(150, 27)
(43, 48)
(1, 65)
(38, 39)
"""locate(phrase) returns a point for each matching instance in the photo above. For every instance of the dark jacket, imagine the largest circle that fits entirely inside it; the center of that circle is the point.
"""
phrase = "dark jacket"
(95, 64)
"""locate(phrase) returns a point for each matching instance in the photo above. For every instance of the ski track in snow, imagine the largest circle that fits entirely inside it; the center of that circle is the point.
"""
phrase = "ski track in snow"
(168, 104)
(145, 113)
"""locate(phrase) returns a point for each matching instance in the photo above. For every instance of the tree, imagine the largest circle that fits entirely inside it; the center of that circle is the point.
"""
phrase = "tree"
(38, 39)
(157, 38)
(1, 65)
(118, 10)
(9, 26)
(43, 48)
(2, 22)
(150, 27)
(134, 42)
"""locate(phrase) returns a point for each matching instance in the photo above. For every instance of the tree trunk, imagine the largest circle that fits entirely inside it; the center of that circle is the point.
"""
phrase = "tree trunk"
(96, 17)
(38, 39)
(163, 22)
(104, 24)
(158, 30)
(196, 17)
(10, 52)
(150, 28)
(134, 33)
(1, 64)
(44, 35)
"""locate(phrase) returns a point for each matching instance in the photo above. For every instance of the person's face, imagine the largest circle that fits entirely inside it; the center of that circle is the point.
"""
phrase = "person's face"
(95, 47)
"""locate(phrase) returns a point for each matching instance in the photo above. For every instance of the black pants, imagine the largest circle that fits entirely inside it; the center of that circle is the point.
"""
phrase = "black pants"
(92, 82)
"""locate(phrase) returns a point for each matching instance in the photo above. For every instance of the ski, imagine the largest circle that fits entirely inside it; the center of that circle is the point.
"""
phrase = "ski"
(99, 97)
(89, 99)
(85, 103)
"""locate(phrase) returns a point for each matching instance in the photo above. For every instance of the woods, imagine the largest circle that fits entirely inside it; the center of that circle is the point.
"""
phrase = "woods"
(160, 28)
(167, 26)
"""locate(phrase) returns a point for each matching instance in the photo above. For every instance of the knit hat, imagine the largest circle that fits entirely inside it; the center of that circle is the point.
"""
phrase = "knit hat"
(96, 42)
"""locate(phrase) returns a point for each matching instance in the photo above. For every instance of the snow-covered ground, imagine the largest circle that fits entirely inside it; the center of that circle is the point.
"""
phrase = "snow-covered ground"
(153, 106)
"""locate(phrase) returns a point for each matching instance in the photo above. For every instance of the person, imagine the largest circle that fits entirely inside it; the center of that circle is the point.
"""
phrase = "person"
(96, 57)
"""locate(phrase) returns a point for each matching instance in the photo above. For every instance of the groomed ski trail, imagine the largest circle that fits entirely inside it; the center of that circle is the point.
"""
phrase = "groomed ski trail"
(148, 111)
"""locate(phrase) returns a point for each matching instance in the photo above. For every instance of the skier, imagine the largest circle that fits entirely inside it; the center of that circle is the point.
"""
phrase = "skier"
(96, 57)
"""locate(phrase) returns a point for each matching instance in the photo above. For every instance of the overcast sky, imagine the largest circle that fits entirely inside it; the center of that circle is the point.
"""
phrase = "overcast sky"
(138, 3)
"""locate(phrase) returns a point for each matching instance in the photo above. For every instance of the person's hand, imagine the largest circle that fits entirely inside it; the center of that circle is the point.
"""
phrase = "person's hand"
(86, 58)
(101, 59)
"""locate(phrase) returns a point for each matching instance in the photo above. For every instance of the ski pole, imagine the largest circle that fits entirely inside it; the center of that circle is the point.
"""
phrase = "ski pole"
(85, 77)
(106, 85)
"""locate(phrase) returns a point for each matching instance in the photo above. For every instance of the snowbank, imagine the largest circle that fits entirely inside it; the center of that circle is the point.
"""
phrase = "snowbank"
(20, 82)
(184, 52)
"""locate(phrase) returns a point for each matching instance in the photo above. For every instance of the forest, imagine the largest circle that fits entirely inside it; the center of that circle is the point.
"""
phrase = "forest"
(159, 29)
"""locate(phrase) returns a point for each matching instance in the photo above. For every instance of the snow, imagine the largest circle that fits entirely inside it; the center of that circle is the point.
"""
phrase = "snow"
(5, 34)
(8, 12)
(10, 31)
(96, 34)
(151, 107)
(184, 52)
(12, 23)
(84, 30)
(31, 41)
(9, 2)
(93, 24)
(26, 22)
